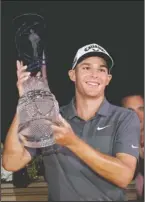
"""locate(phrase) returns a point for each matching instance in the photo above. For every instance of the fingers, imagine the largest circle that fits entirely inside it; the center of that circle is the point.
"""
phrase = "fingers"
(46, 121)
(57, 137)
(21, 63)
(22, 76)
(23, 79)
(58, 132)
(18, 64)
(21, 71)
(23, 139)
(63, 122)
(38, 74)
(56, 129)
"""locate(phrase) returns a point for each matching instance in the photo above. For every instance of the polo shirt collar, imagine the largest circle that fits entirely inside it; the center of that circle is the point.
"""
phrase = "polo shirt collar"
(71, 110)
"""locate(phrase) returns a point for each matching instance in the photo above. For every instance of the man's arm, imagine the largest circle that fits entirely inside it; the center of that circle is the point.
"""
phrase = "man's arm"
(118, 169)
(15, 155)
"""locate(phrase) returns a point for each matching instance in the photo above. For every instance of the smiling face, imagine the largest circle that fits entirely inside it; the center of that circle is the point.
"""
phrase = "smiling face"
(90, 77)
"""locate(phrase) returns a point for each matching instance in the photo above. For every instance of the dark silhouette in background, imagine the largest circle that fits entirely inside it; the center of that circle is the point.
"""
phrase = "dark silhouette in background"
(118, 26)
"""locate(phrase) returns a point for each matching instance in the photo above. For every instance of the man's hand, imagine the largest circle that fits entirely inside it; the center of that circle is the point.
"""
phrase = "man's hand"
(22, 76)
(63, 133)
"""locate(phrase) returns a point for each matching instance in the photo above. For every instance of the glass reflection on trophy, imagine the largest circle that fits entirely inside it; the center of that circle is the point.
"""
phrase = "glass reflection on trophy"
(37, 108)
(34, 38)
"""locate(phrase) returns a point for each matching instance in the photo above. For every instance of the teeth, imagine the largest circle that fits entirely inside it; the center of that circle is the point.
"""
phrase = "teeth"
(93, 84)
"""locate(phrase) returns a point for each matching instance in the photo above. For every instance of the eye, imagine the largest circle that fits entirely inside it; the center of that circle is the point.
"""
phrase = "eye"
(130, 108)
(141, 108)
(102, 70)
(86, 67)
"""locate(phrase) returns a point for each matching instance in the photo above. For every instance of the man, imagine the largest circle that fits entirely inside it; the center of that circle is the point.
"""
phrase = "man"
(96, 149)
(136, 103)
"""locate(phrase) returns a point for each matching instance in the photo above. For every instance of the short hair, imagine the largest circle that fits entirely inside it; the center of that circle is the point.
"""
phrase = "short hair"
(131, 93)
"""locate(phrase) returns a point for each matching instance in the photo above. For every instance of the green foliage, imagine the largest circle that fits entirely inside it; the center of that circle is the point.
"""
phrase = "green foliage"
(34, 166)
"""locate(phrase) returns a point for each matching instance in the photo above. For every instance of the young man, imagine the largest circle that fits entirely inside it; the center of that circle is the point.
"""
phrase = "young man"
(96, 149)
(136, 103)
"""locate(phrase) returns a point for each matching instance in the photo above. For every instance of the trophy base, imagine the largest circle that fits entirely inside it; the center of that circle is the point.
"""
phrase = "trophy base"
(40, 144)
(37, 134)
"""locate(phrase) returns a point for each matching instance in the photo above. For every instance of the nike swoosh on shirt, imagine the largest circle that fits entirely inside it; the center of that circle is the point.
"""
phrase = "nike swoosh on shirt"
(101, 128)
(134, 147)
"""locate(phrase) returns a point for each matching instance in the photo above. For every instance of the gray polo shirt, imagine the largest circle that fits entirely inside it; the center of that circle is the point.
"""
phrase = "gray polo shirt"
(112, 130)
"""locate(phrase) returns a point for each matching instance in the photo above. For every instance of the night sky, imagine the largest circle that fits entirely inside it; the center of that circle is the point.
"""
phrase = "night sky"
(117, 26)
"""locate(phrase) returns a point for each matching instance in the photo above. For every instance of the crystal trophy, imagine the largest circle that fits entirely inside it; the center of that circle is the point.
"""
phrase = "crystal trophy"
(37, 108)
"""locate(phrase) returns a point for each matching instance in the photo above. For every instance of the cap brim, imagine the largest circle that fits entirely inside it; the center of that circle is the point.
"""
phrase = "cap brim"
(99, 54)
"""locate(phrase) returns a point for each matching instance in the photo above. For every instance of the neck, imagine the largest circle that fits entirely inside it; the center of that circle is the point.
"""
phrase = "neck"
(87, 107)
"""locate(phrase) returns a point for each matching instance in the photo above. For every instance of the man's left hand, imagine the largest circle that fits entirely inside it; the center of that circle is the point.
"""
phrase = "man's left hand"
(63, 133)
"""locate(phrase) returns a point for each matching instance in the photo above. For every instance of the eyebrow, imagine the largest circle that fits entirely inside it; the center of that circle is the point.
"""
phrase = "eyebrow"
(130, 108)
(85, 63)
(141, 107)
(103, 65)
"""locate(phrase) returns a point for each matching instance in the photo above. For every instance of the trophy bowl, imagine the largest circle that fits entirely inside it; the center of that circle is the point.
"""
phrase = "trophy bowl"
(37, 109)
(30, 40)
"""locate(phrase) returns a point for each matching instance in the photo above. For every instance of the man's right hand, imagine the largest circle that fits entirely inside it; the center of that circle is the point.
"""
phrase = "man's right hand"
(22, 76)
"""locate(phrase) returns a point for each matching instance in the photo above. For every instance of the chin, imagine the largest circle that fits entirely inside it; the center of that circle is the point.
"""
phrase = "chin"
(93, 95)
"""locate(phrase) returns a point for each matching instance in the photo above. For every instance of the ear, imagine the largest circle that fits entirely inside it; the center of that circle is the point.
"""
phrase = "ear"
(72, 75)
(109, 79)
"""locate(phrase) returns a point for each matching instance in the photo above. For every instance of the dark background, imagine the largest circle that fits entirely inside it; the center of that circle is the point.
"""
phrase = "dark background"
(117, 26)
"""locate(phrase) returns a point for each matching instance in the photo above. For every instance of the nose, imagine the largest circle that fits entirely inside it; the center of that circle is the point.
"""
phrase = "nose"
(94, 73)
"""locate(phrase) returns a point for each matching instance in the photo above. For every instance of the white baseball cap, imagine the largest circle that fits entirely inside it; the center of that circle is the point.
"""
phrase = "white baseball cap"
(92, 50)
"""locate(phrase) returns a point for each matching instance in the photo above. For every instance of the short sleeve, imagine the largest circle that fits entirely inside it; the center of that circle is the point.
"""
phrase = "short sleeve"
(128, 135)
